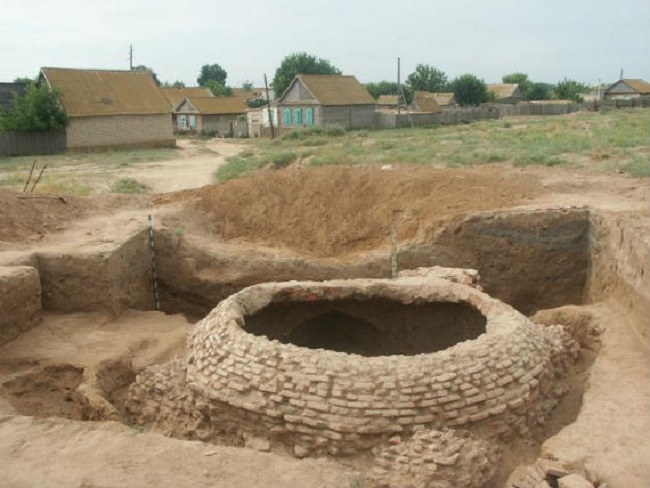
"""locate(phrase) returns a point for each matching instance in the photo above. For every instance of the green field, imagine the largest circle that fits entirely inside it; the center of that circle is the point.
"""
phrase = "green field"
(614, 141)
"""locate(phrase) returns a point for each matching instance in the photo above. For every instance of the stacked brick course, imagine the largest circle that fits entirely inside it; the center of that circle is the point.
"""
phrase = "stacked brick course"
(119, 131)
(324, 401)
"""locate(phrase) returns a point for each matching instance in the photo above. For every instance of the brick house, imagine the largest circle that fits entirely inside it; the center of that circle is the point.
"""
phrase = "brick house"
(321, 100)
(218, 115)
(110, 109)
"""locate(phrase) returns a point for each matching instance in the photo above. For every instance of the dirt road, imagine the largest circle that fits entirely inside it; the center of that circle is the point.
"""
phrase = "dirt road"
(194, 169)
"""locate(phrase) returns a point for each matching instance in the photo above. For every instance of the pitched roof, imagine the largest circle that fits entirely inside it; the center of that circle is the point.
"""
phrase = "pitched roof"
(251, 94)
(639, 86)
(444, 98)
(217, 105)
(105, 92)
(425, 101)
(387, 100)
(176, 95)
(7, 91)
(335, 89)
(504, 90)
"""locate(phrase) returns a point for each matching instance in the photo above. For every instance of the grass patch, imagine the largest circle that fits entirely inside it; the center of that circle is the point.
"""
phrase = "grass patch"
(237, 166)
(128, 185)
(639, 167)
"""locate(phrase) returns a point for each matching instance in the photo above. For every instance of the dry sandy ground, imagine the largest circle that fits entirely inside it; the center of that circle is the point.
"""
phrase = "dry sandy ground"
(290, 209)
(194, 170)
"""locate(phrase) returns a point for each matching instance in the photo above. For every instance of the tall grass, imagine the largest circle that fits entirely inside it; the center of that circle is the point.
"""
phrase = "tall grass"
(604, 142)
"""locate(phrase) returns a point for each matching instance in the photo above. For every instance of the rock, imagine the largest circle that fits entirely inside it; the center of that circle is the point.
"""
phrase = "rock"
(574, 481)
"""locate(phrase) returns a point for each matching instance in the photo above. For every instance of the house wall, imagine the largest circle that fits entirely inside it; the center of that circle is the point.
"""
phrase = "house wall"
(223, 125)
(621, 91)
(119, 131)
(298, 92)
(318, 115)
(349, 116)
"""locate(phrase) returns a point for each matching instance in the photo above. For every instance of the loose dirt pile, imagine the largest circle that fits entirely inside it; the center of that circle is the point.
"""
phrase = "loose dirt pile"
(337, 210)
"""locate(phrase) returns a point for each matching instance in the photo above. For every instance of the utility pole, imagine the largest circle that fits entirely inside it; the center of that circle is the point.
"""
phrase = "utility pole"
(268, 107)
(131, 57)
(399, 90)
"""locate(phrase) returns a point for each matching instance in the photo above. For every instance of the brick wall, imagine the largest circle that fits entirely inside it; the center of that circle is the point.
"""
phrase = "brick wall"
(120, 130)
(324, 401)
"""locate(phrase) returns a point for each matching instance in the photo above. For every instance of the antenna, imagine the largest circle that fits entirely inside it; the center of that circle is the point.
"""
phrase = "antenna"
(621, 74)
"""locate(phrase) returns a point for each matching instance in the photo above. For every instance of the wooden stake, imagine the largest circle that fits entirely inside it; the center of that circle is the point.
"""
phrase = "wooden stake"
(38, 179)
(31, 172)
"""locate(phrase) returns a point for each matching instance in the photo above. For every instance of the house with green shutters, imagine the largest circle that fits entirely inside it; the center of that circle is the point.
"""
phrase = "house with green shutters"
(322, 100)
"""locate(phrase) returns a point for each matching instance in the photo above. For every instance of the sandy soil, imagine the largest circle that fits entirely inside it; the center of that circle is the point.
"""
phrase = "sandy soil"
(328, 212)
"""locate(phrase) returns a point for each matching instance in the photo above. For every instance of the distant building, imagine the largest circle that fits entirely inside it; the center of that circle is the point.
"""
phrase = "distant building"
(387, 102)
(109, 108)
(175, 96)
(445, 99)
(217, 115)
(425, 102)
(506, 92)
(320, 100)
(627, 90)
(7, 93)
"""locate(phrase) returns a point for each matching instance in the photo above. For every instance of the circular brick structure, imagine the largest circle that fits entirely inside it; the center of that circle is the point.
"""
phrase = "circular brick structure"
(501, 376)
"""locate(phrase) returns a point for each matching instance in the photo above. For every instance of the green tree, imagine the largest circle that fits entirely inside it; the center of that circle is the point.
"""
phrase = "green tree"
(540, 91)
(247, 85)
(381, 88)
(570, 90)
(300, 63)
(218, 89)
(175, 84)
(142, 67)
(427, 78)
(37, 110)
(24, 79)
(521, 79)
(469, 90)
(212, 72)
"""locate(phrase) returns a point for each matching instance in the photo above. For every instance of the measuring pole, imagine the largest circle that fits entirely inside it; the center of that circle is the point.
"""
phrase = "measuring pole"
(393, 251)
(153, 265)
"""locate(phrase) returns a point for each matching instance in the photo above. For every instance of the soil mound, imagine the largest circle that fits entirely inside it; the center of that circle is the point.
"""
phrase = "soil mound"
(337, 210)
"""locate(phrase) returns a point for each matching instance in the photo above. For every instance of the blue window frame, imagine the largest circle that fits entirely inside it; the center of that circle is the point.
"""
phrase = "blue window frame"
(286, 117)
(309, 116)
(297, 117)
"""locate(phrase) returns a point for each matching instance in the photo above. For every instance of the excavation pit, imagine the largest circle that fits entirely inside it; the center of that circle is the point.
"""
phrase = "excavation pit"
(371, 327)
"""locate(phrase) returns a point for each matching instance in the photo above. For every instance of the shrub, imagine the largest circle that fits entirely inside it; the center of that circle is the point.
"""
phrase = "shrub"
(128, 185)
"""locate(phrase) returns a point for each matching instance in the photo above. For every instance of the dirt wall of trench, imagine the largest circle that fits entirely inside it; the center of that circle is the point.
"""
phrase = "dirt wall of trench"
(530, 259)
(620, 271)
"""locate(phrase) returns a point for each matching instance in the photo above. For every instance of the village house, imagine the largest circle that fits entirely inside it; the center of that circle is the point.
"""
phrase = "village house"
(445, 99)
(108, 108)
(425, 102)
(212, 115)
(321, 100)
(506, 92)
(627, 90)
(175, 96)
(387, 102)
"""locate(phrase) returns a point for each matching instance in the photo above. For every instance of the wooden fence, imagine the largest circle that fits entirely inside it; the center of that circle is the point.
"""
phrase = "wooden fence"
(32, 143)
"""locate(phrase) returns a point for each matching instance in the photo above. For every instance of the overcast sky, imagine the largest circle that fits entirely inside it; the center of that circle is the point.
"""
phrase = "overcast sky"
(548, 39)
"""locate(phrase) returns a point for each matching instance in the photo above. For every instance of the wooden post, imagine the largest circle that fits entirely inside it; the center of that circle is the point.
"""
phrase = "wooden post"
(29, 178)
(268, 106)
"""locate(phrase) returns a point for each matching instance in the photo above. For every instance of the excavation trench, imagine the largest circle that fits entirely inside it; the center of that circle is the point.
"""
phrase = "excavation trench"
(533, 260)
